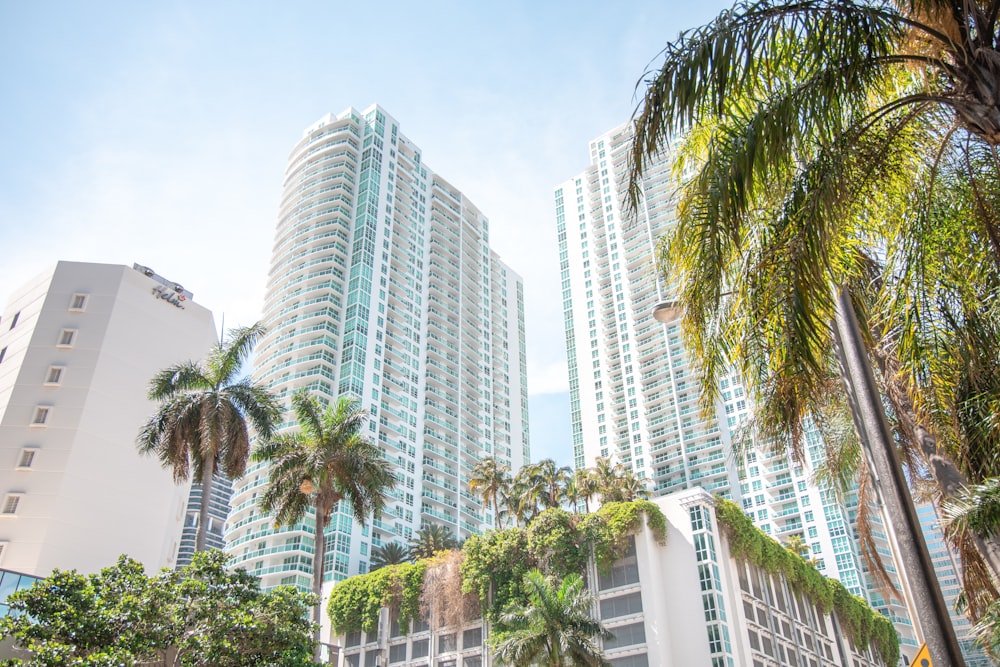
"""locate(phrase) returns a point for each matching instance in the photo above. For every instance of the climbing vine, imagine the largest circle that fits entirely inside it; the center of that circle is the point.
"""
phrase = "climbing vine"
(860, 622)
(355, 603)
(606, 529)
(493, 565)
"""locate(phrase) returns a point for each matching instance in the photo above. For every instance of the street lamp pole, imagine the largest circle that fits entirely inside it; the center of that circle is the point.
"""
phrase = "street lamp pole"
(919, 580)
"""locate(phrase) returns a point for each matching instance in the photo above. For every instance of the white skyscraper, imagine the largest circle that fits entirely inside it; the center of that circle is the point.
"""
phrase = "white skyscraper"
(78, 346)
(383, 287)
(634, 391)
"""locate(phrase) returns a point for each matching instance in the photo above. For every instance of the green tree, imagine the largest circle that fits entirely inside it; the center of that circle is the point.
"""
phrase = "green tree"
(491, 480)
(326, 461)
(430, 539)
(227, 621)
(201, 422)
(199, 616)
(868, 163)
(555, 628)
(391, 553)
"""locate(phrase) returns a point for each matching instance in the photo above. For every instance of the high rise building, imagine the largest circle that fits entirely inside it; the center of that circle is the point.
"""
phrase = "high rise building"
(634, 391)
(947, 568)
(383, 287)
(634, 394)
(78, 346)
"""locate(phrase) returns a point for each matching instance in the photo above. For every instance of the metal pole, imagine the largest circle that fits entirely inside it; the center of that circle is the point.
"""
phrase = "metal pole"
(931, 616)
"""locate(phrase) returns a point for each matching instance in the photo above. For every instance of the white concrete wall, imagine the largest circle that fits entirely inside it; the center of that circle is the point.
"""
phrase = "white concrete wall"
(89, 496)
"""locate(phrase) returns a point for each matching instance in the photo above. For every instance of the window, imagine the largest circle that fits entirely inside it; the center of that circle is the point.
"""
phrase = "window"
(10, 503)
(27, 457)
(78, 303)
(626, 635)
(67, 338)
(3, 353)
(13, 320)
(54, 376)
(41, 416)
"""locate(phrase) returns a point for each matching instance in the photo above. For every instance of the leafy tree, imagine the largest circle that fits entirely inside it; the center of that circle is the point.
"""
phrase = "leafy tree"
(491, 480)
(326, 461)
(430, 539)
(202, 615)
(868, 163)
(201, 423)
(391, 553)
(554, 629)
(228, 622)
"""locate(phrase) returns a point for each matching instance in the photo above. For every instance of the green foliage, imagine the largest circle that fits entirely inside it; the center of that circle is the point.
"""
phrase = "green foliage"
(860, 622)
(554, 626)
(607, 528)
(355, 603)
(556, 544)
(206, 613)
(494, 566)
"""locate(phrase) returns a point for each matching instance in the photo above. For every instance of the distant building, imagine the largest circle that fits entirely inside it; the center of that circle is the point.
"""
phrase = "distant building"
(383, 287)
(78, 346)
(683, 603)
(948, 568)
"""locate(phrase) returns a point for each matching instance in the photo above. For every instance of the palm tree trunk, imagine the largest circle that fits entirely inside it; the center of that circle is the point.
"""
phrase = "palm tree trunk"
(207, 472)
(496, 510)
(318, 561)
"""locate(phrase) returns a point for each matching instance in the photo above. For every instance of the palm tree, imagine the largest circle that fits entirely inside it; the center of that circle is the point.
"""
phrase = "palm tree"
(391, 553)
(868, 163)
(490, 479)
(523, 499)
(582, 486)
(201, 422)
(326, 461)
(551, 482)
(430, 539)
(616, 483)
(556, 627)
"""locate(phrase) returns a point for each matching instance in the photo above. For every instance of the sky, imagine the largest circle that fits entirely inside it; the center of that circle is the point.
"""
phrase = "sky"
(157, 132)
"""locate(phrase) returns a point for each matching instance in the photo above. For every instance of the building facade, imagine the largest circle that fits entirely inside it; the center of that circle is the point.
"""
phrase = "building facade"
(383, 287)
(687, 601)
(78, 346)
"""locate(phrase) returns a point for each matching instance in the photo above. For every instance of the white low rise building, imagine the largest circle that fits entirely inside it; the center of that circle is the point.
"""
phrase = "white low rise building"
(688, 601)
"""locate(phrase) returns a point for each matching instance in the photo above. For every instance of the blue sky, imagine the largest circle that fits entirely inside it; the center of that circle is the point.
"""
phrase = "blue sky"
(157, 132)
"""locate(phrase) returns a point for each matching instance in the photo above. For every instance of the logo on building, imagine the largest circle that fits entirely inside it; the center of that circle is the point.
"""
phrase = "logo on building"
(173, 298)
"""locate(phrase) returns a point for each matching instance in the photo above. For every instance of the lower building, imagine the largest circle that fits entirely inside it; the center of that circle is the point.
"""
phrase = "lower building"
(692, 599)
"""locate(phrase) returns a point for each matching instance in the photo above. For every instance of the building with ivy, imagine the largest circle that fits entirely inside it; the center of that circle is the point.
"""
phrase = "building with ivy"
(383, 287)
(696, 585)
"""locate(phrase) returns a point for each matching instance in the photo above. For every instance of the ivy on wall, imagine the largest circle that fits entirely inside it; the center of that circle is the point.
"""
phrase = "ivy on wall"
(862, 624)
(355, 603)
(494, 564)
